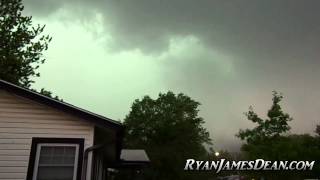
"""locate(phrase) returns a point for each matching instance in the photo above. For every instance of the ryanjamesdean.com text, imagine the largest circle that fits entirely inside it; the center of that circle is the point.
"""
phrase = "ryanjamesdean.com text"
(258, 164)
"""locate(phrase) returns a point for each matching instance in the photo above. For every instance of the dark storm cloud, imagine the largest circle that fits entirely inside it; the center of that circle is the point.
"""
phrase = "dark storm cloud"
(269, 44)
(265, 35)
(266, 27)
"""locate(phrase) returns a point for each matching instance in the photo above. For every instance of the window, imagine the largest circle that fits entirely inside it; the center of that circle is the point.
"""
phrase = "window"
(55, 159)
(56, 162)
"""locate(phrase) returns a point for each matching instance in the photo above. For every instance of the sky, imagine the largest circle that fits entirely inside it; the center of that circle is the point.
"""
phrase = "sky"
(227, 55)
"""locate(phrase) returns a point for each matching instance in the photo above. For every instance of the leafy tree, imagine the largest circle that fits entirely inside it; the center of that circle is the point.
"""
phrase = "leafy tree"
(170, 131)
(49, 94)
(275, 125)
(21, 46)
(318, 130)
(289, 148)
(267, 141)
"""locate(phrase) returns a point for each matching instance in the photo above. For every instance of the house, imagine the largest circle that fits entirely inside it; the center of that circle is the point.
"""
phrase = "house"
(43, 139)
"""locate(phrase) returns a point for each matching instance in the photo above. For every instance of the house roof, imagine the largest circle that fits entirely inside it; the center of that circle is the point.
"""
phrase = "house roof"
(62, 106)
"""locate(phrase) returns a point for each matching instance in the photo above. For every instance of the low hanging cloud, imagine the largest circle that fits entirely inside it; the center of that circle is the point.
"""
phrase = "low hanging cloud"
(262, 36)
(227, 25)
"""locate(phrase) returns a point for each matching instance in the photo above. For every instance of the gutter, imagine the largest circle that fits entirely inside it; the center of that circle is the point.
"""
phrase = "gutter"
(119, 141)
(85, 159)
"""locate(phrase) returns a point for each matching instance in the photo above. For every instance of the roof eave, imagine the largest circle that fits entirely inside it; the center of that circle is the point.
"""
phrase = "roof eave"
(65, 107)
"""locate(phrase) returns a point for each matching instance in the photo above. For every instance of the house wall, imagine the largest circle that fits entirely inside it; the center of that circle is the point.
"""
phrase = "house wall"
(20, 120)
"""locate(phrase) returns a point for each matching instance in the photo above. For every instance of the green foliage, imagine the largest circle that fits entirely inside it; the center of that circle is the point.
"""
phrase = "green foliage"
(266, 141)
(318, 130)
(170, 131)
(49, 94)
(275, 125)
(21, 46)
(288, 148)
(292, 147)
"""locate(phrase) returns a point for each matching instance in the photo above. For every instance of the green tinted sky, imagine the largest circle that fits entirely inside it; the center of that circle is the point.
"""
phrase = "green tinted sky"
(225, 54)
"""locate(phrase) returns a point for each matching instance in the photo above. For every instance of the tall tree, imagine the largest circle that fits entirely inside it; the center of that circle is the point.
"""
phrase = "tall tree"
(275, 125)
(268, 141)
(170, 131)
(21, 44)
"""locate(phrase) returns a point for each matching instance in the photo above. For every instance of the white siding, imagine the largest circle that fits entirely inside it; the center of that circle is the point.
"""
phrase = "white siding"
(20, 120)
